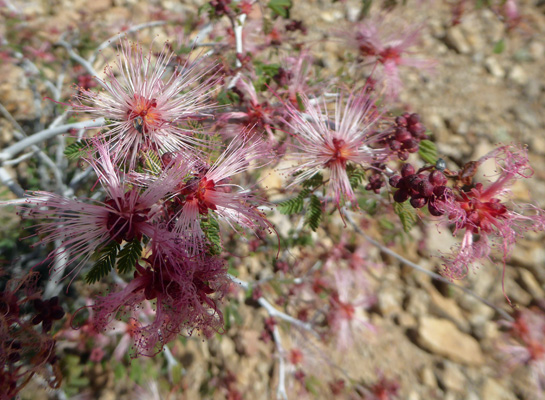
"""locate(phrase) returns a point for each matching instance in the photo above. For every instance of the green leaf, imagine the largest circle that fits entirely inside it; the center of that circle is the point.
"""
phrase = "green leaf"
(76, 150)
(295, 205)
(428, 151)
(314, 214)
(355, 176)
(211, 230)
(280, 7)
(499, 46)
(407, 215)
(313, 181)
(300, 103)
(128, 256)
(105, 263)
(153, 162)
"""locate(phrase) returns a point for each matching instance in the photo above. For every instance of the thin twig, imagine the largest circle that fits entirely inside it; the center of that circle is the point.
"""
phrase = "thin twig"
(423, 270)
(10, 151)
(273, 312)
(79, 59)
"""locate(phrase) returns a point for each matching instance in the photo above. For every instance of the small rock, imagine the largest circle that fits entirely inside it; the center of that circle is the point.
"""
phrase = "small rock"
(389, 300)
(493, 67)
(418, 302)
(455, 39)
(533, 88)
(447, 308)
(531, 284)
(518, 75)
(427, 377)
(441, 336)
(453, 378)
(493, 390)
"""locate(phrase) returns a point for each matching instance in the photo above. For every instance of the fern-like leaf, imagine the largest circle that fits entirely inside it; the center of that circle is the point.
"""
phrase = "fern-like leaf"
(356, 177)
(313, 181)
(295, 205)
(407, 215)
(314, 214)
(76, 150)
(105, 263)
(128, 256)
(153, 162)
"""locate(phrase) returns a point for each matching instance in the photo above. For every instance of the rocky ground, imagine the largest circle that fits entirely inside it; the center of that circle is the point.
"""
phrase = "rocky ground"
(438, 342)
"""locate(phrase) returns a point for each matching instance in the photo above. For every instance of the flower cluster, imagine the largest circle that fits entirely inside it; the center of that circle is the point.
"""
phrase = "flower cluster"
(163, 201)
(484, 215)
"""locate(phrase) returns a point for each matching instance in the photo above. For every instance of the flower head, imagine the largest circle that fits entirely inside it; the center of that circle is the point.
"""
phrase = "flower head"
(484, 216)
(331, 144)
(210, 194)
(84, 228)
(387, 42)
(148, 102)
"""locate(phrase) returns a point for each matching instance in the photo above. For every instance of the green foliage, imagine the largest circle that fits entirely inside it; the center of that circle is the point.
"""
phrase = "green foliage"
(76, 150)
(211, 230)
(265, 73)
(280, 7)
(153, 162)
(314, 214)
(314, 181)
(105, 263)
(128, 256)
(499, 46)
(295, 205)
(428, 151)
(227, 97)
(355, 176)
(407, 215)
(300, 103)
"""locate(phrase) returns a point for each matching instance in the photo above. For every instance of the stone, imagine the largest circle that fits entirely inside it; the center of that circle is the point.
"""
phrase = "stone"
(518, 75)
(493, 67)
(418, 302)
(447, 308)
(427, 377)
(442, 337)
(531, 284)
(455, 39)
(493, 390)
(452, 378)
(389, 300)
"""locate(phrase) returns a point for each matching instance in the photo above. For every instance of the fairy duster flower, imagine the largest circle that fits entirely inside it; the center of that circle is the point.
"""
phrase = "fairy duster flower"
(210, 193)
(147, 102)
(485, 217)
(84, 228)
(387, 42)
(323, 143)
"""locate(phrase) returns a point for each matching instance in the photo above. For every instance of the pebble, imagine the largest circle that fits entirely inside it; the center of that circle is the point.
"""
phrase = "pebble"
(455, 39)
(442, 337)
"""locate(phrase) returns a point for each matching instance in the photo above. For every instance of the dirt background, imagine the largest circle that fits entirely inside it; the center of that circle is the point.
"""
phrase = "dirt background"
(438, 343)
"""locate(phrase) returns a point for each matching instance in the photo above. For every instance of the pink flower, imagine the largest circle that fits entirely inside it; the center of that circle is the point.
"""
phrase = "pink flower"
(387, 41)
(209, 193)
(146, 106)
(346, 304)
(323, 143)
(185, 293)
(84, 228)
(481, 211)
(524, 345)
(257, 116)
